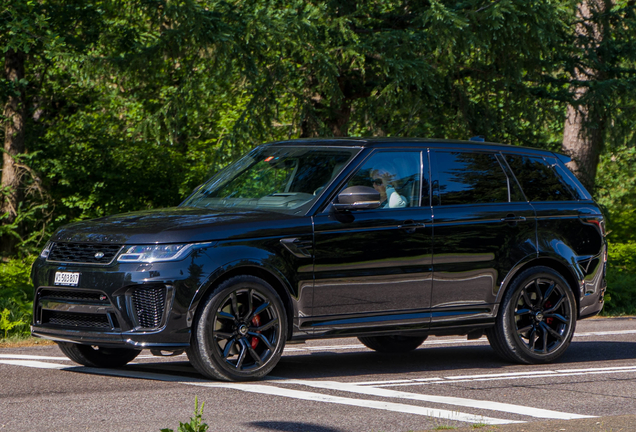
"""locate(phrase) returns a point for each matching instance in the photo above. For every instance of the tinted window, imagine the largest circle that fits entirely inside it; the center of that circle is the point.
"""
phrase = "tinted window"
(468, 178)
(538, 179)
(285, 179)
(396, 175)
(566, 176)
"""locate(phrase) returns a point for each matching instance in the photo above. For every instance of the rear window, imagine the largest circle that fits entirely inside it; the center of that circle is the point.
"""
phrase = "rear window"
(539, 178)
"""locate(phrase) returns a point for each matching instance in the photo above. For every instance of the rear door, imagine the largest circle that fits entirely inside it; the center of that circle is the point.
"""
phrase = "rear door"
(482, 227)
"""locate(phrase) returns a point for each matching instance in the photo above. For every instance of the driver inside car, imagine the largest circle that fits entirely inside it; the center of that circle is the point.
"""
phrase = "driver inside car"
(383, 179)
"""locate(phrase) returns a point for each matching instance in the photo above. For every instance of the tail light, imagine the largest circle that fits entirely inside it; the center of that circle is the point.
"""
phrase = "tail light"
(596, 221)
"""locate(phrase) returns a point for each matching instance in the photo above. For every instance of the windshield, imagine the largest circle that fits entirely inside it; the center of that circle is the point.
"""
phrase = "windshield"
(283, 179)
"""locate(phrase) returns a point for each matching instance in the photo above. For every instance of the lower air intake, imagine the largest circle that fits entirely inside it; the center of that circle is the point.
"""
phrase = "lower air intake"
(68, 319)
(149, 303)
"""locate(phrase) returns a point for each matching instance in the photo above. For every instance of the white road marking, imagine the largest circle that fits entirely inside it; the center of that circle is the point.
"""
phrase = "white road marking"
(31, 357)
(617, 368)
(272, 390)
(371, 388)
(154, 356)
(34, 364)
(500, 377)
(605, 333)
(511, 374)
(363, 403)
(469, 403)
(103, 371)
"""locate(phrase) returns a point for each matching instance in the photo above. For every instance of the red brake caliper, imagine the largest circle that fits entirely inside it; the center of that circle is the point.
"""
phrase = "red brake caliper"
(548, 321)
(256, 322)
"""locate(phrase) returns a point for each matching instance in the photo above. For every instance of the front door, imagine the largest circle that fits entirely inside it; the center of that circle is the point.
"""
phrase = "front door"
(373, 267)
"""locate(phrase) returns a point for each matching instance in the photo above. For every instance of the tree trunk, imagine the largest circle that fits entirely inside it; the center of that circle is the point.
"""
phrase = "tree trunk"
(585, 123)
(14, 113)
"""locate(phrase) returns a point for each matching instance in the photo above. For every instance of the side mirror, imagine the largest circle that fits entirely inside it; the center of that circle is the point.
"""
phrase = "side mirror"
(357, 198)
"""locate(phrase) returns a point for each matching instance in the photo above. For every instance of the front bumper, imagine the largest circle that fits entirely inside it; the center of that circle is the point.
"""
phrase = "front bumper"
(119, 305)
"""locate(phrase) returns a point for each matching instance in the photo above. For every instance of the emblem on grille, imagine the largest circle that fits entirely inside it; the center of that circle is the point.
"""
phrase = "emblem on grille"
(99, 255)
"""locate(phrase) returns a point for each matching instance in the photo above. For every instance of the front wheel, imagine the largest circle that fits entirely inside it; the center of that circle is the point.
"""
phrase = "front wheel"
(537, 318)
(393, 343)
(96, 356)
(239, 333)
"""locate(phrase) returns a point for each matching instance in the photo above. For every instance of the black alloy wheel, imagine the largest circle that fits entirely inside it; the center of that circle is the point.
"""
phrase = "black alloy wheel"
(537, 318)
(241, 330)
(392, 344)
(96, 356)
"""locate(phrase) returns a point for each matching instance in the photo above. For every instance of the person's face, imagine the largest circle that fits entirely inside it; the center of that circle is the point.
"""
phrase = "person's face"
(379, 181)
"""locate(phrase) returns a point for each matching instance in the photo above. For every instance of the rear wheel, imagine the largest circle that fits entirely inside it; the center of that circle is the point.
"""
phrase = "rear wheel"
(537, 318)
(239, 333)
(96, 356)
(393, 343)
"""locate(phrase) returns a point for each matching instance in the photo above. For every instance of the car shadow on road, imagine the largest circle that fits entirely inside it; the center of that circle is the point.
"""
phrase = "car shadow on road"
(290, 426)
(477, 358)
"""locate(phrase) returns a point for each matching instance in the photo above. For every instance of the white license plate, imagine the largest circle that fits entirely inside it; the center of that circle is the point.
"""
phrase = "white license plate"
(67, 278)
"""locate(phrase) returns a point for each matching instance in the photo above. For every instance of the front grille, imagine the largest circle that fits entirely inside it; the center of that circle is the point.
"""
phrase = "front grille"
(68, 319)
(73, 295)
(83, 253)
(149, 305)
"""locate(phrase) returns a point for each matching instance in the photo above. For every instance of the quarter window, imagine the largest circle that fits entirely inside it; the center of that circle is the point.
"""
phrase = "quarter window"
(538, 179)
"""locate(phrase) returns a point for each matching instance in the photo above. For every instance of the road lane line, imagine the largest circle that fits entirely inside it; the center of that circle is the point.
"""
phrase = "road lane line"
(34, 364)
(596, 369)
(31, 357)
(382, 382)
(362, 403)
(270, 390)
(511, 374)
(605, 333)
(122, 373)
(499, 377)
(447, 400)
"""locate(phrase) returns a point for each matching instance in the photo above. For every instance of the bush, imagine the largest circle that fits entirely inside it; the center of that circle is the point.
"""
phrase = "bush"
(621, 279)
(16, 297)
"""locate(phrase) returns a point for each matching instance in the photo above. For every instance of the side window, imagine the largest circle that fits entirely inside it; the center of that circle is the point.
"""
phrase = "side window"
(396, 175)
(567, 177)
(538, 179)
(470, 178)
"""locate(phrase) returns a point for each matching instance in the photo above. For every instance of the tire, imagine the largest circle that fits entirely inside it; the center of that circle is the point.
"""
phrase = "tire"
(392, 344)
(98, 357)
(537, 318)
(239, 332)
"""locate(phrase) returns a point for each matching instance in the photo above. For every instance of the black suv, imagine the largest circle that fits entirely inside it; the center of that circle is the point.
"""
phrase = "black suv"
(390, 240)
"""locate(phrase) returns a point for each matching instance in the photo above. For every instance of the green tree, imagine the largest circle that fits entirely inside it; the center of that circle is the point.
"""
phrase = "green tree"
(129, 105)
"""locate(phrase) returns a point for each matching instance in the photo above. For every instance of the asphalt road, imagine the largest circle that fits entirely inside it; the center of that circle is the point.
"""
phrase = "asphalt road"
(335, 386)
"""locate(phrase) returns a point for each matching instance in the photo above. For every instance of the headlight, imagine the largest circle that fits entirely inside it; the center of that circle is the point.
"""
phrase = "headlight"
(156, 253)
(47, 250)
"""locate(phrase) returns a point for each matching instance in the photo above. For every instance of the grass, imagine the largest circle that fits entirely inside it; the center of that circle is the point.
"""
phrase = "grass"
(21, 340)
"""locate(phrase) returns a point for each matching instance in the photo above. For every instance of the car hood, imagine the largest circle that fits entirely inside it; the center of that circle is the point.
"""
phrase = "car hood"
(181, 225)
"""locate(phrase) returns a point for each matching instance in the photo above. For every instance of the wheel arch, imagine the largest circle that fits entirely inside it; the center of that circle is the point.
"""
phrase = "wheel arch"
(277, 281)
(564, 269)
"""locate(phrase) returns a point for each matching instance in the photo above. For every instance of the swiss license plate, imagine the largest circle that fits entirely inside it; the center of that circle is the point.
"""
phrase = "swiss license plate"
(67, 278)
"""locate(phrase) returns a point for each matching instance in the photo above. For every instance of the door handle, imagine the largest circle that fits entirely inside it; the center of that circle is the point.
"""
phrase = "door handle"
(410, 226)
(513, 219)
